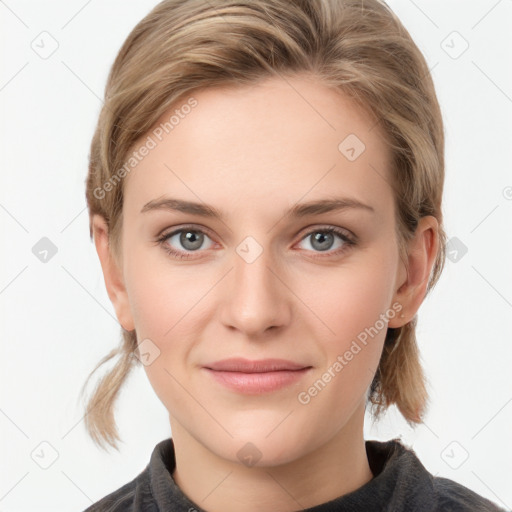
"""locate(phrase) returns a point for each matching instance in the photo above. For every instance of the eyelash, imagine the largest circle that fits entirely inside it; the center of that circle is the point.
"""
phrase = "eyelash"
(348, 242)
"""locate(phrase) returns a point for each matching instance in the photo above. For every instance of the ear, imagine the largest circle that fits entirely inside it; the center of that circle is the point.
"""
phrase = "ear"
(112, 274)
(411, 286)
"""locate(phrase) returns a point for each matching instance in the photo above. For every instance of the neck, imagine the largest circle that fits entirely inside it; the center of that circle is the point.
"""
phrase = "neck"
(335, 468)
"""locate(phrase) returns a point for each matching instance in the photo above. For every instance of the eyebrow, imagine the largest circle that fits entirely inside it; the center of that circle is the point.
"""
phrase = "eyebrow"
(299, 210)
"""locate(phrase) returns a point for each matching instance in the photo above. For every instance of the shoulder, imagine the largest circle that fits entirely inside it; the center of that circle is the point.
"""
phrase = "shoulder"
(454, 497)
(397, 463)
(153, 489)
(131, 497)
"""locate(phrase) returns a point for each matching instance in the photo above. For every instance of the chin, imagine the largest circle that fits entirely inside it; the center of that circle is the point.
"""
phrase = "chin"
(254, 447)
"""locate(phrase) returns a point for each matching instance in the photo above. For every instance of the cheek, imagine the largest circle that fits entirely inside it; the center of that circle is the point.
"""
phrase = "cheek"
(166, 307)
(352, 297)
(350, 304)
(163, 297)
(170, 309)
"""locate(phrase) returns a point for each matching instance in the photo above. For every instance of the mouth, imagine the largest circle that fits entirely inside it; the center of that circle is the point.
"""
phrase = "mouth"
(255, 377)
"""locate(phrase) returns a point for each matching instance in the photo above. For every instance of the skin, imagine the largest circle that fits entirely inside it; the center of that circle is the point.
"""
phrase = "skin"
(253, 152)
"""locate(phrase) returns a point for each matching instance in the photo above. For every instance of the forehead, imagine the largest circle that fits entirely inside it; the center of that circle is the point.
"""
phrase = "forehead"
(278, 140)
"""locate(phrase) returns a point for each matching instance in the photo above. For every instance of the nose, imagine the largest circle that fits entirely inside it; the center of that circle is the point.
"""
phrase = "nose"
(256, 297)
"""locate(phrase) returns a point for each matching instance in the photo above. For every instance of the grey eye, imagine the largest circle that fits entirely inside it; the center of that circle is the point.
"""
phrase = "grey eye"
(187, 239)
(322, 240)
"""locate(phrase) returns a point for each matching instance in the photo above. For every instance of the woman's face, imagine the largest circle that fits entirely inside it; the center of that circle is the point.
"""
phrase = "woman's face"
(264, 279)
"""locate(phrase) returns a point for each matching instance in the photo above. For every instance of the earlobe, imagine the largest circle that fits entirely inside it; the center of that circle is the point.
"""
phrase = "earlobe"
(112, 274)
(422, 252)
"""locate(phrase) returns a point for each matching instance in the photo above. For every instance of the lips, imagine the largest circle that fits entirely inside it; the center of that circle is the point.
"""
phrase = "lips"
(248, 366)
(255, 377)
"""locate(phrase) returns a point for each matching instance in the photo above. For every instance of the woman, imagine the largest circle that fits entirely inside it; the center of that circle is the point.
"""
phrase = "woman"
(264, 191)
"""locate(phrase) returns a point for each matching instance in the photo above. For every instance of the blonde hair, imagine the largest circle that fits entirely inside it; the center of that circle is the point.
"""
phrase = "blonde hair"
(358, 47)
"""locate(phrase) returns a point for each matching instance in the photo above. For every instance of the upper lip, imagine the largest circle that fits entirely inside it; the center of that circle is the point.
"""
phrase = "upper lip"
(256, 366)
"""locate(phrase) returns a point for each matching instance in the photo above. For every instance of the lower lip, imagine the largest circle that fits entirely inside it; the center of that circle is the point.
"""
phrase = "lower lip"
(256, 383)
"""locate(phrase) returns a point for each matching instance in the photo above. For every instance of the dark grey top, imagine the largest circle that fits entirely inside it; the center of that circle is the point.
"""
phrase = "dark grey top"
(400, 484)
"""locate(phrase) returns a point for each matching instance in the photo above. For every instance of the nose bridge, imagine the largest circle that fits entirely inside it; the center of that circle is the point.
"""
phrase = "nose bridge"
(256, 296)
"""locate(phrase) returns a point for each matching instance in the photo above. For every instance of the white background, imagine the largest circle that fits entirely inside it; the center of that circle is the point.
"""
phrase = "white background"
(57, 321)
